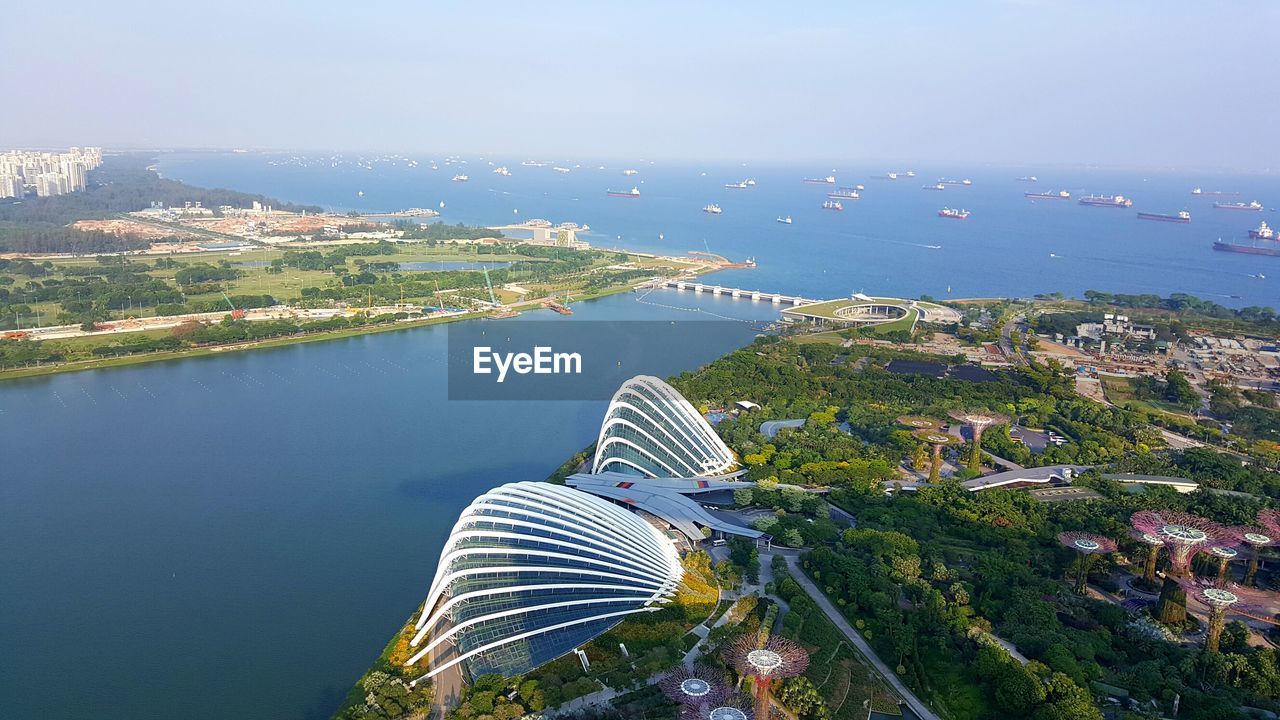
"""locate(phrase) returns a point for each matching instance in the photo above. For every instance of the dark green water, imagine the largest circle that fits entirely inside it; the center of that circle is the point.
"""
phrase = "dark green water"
(238, 536)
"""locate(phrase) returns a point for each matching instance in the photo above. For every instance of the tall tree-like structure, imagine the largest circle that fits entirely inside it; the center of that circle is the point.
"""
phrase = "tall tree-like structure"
(1219, 597)
(978, 421)
(938, 440)
(695, 686)
(1183, 535)
(1088, 546)
(1224, 555)
(729, 707)
(765, 660)
(1255, 538)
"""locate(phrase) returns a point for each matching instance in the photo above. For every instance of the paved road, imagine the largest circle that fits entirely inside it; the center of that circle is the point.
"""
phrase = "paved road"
(916, 704)
(1014, 354)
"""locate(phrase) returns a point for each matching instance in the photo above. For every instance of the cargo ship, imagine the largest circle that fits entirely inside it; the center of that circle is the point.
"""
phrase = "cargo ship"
(1107, 201)
(1264, 232)
(1060, 195)
(503, 171)
(460, 178)
(1255, 247)
(828, 180)
(944, 181)
(938, 186)
(713, 209)
(630, 172)
(1028, 178)
(1199, 191)
(832, 205)
(785, 220)
(737, 186)
(953, 214)
(632, 193)
(1254, 206)
(750, 182)
(844, 193)
(1182, 217)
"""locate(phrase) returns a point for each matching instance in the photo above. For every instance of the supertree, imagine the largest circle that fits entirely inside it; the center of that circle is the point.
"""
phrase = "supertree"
(977, 420)
(695, 686)
(1153, 543)
(1255, 538)
(764, 660)
(919, 422)
(1183, 535)
(1218, 596)
(1087, 545)
(1225, 555)
(938, 440)
(731, 706)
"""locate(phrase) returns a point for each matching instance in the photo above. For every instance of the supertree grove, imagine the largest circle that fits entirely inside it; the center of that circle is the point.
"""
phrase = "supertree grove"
(1183, 535)
(1088, 546)
(1218, 597)
(977, 420)
(695, 686)
(764, 660)
(1153, 543)
(938, 440)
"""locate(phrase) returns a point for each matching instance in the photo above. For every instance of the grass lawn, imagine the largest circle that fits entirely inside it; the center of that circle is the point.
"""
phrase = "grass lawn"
(1119, 391)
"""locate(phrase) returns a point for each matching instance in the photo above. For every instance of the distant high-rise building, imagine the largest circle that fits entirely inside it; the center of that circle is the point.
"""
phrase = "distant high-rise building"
(50, 173)
(10, 185)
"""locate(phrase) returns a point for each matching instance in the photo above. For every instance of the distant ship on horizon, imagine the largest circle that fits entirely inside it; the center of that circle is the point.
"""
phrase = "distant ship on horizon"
(844, 193)
(953, 214)
(785, 220)
(1264, 232)
(1106, 201)
(1251, 206)
(632, 193)
(936, 186)
(828, 180)
(460, 178)
(1181, 217)
(1198, 191)
(1060, 195)
(1028, 178)
(944, 181)
(712, 209)
(832, 205)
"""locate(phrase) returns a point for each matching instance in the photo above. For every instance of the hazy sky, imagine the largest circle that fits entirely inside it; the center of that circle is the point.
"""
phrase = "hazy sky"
(1145, 83)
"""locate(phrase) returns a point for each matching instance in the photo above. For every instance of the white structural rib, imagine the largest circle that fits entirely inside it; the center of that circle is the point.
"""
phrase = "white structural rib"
(651, 429)
(526, 563)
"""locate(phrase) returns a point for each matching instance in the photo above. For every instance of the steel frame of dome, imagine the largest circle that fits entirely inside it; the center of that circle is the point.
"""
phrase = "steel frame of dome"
(651, 429)
(531, 570)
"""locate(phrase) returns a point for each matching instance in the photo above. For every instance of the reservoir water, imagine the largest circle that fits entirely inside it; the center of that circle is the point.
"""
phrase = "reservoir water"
(237, 536)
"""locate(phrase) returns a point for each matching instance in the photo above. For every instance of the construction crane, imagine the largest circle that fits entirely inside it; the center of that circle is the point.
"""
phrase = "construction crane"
(236, 314)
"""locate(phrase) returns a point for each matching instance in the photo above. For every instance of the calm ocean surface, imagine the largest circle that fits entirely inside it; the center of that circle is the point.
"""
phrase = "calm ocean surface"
(237, 536)
(881, 244)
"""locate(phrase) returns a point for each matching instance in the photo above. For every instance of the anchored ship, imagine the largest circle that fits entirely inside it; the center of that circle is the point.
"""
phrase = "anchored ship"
(632, 193)
(1254, 247)
(1028, 178)
(1060, 195)
(1264, 232)
(832, 205)
(828, 180)
(785, 220)
(954, 214)
(630, 172)
(1182, 217)
(844, 193)
(503, 171)
(966, 181)
(742, 185)
(1255, 206)
(1198, 191)
(1106, 201)
(938, 186)
(713, 208)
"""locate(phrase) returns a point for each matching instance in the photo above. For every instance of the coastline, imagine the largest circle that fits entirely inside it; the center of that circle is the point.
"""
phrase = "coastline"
(167, 355)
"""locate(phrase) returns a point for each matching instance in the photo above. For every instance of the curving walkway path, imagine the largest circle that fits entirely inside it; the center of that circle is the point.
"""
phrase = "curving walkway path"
(916, 705)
